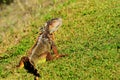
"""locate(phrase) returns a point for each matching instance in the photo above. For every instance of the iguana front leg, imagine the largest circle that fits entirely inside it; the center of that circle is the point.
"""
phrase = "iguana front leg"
(55, 51)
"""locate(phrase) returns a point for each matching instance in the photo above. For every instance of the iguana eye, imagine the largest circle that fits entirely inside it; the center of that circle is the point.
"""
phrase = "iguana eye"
(54, 21)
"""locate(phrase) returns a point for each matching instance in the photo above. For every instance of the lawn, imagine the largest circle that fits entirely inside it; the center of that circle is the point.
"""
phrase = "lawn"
(90, 35)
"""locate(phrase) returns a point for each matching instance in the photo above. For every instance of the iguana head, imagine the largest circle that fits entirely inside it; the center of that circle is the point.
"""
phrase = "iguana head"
(52, 25)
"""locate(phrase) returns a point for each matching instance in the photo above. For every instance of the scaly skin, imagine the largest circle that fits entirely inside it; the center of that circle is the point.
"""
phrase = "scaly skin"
(42, 48)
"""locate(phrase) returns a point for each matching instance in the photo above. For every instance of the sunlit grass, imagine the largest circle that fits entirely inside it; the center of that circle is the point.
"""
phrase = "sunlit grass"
(90, 35)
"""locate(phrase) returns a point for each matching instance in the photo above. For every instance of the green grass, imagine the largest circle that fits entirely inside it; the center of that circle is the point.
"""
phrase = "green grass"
(90, 35)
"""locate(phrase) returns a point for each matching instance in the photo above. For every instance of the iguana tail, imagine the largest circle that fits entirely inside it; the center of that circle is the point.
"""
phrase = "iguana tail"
(30, 67)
